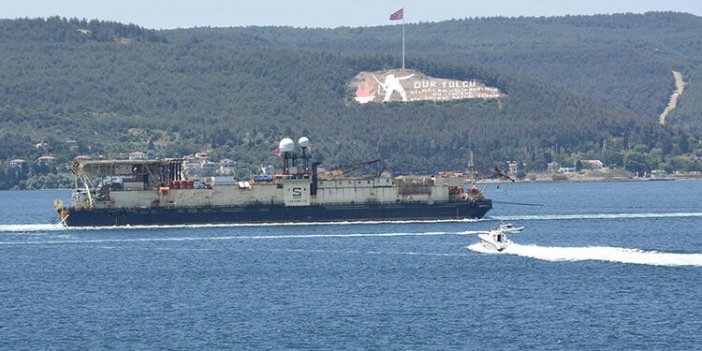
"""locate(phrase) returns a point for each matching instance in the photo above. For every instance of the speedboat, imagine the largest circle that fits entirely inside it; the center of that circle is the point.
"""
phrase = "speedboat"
(496, 239)
(509, 228)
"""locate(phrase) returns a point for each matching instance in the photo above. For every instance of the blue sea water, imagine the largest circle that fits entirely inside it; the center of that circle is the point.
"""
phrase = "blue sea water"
(610, 265)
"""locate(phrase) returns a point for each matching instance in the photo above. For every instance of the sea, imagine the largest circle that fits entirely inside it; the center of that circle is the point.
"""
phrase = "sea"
(599, 266)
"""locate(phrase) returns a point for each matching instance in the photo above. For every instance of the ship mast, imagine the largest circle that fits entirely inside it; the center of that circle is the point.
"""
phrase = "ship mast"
(473, 191)
(471, 166)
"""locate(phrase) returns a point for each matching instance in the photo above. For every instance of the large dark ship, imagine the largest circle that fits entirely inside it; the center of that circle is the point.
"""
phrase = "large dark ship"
(155, 192)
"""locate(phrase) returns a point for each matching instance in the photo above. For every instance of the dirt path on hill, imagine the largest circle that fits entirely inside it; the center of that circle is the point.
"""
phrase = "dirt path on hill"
(679, 87)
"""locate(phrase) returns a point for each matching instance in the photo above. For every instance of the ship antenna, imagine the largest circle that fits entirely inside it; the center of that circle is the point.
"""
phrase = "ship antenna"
(471, 166)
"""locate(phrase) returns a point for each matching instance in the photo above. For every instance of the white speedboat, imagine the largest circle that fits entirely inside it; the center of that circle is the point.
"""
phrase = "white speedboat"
(496, 239)
(509, 228)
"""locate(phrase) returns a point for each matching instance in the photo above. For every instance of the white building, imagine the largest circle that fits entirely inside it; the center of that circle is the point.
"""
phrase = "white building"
(46, 160)
(593, 164)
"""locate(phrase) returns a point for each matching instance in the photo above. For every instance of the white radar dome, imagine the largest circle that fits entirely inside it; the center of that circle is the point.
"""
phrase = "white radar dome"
(286, 145)
(303, 142)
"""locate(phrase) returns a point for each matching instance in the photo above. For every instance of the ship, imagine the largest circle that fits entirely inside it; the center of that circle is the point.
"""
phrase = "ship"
(135, 192)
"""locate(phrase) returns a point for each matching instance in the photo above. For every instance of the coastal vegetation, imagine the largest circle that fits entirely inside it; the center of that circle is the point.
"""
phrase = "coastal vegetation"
(578, 88)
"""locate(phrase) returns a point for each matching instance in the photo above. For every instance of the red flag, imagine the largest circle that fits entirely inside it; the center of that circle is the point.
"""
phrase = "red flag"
(398, 15)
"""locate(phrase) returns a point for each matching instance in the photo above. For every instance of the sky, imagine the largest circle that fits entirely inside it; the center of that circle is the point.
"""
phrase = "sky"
(168, 14)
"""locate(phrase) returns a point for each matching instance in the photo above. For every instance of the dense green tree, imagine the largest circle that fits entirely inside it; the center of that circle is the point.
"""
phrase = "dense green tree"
(636, 162)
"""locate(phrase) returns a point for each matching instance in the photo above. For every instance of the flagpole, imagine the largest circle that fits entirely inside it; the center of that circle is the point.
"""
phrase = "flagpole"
(403, 41)
(400, 15)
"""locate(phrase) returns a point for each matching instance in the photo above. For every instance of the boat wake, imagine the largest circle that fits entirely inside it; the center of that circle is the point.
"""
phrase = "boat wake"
(13, 228)
(23, 228)
(598, 253)
(551, 217)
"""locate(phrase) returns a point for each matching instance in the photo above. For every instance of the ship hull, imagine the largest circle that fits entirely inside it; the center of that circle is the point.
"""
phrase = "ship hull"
(275, 214)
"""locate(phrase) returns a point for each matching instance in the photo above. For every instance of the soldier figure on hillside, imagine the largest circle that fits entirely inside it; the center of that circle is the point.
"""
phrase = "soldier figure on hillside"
(392, 84)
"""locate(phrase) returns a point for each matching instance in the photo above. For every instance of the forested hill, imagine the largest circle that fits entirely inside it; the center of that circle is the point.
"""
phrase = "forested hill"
(577, 87)
(57, 29)
(625, 59)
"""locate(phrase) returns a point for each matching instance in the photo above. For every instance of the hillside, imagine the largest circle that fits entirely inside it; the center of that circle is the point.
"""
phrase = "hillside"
(237, 91)
(626, 60)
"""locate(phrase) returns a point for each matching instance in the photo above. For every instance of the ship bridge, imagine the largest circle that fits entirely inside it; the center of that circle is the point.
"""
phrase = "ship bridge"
(149, 172)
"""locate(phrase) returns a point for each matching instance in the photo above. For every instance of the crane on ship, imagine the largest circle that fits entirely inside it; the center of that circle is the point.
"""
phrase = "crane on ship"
(343, 170)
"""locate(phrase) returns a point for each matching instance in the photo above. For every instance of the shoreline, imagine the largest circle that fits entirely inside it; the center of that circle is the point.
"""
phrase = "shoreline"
(618, 177)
